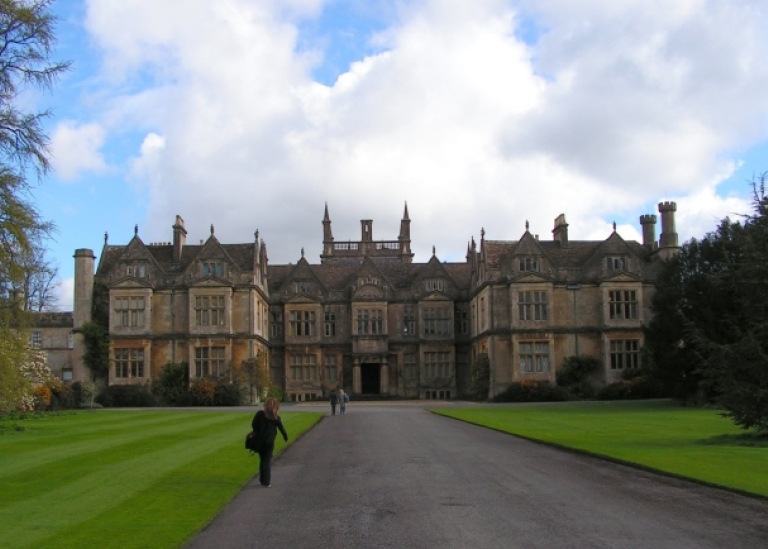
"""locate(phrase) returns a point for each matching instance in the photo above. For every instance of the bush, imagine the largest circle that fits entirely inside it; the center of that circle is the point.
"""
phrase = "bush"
(126, 396)
(629, 389)
(63, 398)
(172, 383)
(227, 394)
(532, 390)
(577, 375)
(204, 392)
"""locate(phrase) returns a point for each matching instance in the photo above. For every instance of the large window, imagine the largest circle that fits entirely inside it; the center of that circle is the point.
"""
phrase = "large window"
(462, 322)
(370, 321)
(129, 363)
(437, 321)
(533, 305)
(622, 304)
(528, 264)
(213, 268)
(137, 270)
(625, 353)
(434, 285)
(129, 312)
(277, 324)
(209, 362)
(437, 364)
(330, 324)
(409, 366)
(302, 323)
(330, 368)
(209, 311)
(303, 368)
(36, 340)
(534, 356)
(409, 322)
(619, 263)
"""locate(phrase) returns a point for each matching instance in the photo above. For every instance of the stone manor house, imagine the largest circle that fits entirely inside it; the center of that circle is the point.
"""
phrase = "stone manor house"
(367, 318)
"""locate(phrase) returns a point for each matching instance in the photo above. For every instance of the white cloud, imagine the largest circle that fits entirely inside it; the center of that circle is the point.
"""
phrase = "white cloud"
(615, 107)
(75, 148)
(65, 293)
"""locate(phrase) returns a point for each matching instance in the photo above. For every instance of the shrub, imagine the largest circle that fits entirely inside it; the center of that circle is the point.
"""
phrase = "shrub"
(227, 394)
(172, 383)
(42, 397)
(204, 392)
(63, 398)
(634, 388)
(126, 396)
(532, 390)
(577, 375)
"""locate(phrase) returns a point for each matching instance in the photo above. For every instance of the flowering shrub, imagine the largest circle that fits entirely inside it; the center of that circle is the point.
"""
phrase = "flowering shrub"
(204, 392)
(532, 390)
(42, 397)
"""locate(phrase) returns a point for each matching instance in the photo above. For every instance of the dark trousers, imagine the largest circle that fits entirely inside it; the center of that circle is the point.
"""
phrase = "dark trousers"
(333, 409)
(265, 465)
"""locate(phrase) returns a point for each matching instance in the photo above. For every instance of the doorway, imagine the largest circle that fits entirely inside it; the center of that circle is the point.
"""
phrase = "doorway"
(370, 379)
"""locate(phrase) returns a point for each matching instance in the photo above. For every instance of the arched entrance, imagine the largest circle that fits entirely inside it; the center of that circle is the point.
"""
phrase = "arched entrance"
(370, 379)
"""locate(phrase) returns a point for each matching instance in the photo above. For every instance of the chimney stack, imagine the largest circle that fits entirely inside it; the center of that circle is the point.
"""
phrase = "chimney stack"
(560, 232)
(179, 238)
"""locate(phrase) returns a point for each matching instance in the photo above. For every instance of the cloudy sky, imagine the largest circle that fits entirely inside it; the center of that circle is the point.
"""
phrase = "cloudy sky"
(253, 114)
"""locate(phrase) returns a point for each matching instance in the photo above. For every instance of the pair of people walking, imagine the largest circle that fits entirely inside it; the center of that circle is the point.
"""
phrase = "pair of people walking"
(341, 398)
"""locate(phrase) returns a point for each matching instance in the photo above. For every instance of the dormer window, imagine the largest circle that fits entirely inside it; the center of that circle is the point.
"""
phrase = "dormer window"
(372, 280)
(434, 285)
(616, 263)
(136, 270)
(300, 287)
(529, 264)
(213, 268)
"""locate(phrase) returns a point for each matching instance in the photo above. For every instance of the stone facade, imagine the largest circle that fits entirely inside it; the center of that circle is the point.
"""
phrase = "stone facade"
(367, 318)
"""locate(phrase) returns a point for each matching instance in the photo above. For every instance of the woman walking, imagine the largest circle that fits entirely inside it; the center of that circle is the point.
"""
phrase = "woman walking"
(265, 424)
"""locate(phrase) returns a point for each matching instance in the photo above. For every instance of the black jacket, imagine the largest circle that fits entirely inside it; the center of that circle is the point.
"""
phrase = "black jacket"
(266, 429)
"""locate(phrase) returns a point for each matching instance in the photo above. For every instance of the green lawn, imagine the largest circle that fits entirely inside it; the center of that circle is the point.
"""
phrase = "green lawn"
(123, 478)
(690, 442)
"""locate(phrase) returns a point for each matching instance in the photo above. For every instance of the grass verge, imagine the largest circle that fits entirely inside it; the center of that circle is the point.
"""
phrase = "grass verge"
(693, 443)
(124, 478)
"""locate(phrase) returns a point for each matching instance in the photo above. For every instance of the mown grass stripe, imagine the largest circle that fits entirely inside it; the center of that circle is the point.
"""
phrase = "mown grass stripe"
(126, 472)
(57, 442)
(169, 475)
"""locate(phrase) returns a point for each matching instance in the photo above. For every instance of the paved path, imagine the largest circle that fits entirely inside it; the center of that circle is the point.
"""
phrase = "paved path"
(401, 477)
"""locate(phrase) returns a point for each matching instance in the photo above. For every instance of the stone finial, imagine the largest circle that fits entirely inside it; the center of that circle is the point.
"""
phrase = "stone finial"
(256, 236)
(211, 229)
(136, 230)
(433, 249)
(614, 226)
(106, 237)
(302, 252)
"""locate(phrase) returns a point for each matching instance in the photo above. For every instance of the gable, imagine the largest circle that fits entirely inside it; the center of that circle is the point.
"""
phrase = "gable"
(129, 283)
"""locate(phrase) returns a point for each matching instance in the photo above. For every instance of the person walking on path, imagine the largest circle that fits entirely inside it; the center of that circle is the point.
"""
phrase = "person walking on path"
(265, 425)
(343, 399)
(334, 401)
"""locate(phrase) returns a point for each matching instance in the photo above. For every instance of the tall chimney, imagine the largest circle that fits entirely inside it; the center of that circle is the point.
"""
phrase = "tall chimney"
(179, 238)
(560, 232)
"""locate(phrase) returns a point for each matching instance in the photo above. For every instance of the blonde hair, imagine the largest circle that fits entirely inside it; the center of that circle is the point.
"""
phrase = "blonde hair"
(271, 407)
